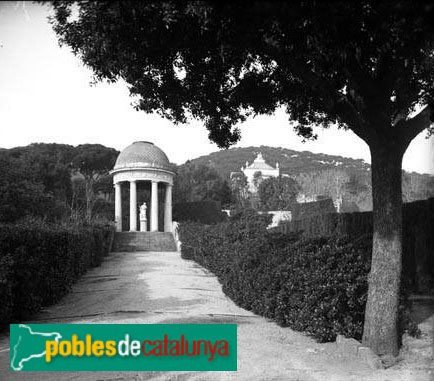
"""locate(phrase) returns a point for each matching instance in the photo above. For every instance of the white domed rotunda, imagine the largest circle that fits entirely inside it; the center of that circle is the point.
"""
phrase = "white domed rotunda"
(143, 161)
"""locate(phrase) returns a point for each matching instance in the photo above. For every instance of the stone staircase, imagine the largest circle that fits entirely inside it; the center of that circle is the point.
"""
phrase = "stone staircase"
(143, 241)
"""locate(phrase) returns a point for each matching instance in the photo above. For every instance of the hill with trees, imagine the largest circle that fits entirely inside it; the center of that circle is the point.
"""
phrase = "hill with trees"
(318, 174)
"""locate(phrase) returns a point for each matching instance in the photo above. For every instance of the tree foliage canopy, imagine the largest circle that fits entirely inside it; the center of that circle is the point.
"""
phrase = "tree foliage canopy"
(278, 193)
(35, 181)
(22, 194)
(94, 160)
(49, 164)
(364, 65)
(38, 179)
(200, 183)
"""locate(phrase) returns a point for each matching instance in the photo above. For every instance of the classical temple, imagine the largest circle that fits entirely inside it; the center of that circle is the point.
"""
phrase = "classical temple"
(143, 161)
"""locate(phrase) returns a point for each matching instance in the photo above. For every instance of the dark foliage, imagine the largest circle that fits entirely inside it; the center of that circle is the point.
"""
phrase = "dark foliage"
(418, 237)
(23, 193)
(346, 63)
(54, 181)
(205, 212)
(329, 225)
(94, 160)
(278, 193)
(50, 164)
(312, 209)
(39, 264)
(315, 285)
(200, 183)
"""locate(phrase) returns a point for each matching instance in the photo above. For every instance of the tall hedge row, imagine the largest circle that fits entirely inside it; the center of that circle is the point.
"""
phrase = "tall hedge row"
(329, 225)
(317, 285)
(39, 264)
(354, 224)
(417, 232)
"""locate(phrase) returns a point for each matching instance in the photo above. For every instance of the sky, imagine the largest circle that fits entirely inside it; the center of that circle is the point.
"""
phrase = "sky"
(46, 96)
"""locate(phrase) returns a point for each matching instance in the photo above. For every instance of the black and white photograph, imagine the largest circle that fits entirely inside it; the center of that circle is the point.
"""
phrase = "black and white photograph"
(212, 190)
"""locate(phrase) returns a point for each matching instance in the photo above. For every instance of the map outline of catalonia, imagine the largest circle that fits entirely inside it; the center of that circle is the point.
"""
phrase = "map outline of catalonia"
(19, 367)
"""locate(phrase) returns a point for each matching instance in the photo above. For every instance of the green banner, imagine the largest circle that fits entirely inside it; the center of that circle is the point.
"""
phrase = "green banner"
(123, 347)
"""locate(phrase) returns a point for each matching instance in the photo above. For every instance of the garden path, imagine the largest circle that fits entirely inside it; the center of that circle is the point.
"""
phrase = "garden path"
(151, 287)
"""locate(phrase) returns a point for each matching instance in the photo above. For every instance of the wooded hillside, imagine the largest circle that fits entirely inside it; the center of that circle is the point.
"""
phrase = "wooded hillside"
(319, 174)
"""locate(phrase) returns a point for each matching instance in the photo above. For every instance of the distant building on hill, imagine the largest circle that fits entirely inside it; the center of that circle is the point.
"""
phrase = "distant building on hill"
(257, 167)
(306, 204)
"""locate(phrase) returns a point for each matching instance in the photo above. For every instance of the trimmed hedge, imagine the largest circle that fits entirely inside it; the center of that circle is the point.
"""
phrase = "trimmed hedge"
(312, 209)
(330, 225)
(318, 285)
(418, 236)
(358, 223)
(39, 264)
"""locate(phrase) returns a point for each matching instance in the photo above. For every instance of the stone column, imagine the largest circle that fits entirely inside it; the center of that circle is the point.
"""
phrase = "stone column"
(118, 207)
(154, 207)
(133, 206)
(168, 209)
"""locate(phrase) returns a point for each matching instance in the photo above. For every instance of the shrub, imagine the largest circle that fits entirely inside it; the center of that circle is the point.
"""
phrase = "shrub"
(417, 237)
(323, 287)
(315, 285)
(39, 263)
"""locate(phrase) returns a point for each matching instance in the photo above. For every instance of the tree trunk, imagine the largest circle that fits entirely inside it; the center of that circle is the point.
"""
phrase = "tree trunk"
(90, 196)
(381, 315)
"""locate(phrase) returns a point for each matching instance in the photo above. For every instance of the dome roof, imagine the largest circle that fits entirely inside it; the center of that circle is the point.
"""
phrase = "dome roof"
(142, 155)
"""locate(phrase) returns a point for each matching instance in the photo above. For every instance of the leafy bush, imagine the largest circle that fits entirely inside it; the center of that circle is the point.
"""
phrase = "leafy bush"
(315, 285)
(39, 263)
(417, 237)
(323, 287)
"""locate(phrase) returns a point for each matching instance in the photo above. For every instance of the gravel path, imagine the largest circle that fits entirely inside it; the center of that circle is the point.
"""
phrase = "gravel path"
(151, 287)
